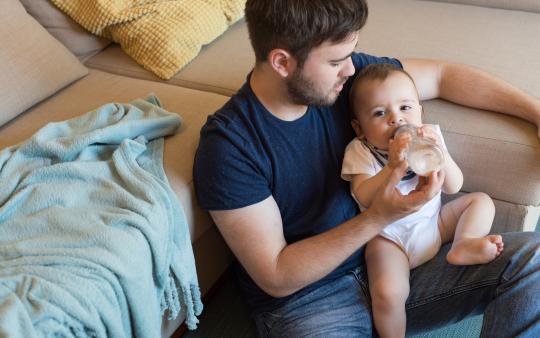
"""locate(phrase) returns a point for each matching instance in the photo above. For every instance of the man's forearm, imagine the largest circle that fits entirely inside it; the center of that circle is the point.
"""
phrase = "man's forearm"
(472, 87)
(306, 261)
(475, 88)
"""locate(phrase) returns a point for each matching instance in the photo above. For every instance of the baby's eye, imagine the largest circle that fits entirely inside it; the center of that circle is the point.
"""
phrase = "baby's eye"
(405, 107)
(379, 113)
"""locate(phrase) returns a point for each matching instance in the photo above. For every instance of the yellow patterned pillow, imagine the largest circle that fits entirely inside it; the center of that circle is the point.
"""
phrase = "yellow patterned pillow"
(161, 35)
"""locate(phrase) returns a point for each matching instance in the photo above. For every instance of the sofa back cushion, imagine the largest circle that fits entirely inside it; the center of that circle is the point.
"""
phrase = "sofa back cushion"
(77, 39)
(33, 65)
(521, 5)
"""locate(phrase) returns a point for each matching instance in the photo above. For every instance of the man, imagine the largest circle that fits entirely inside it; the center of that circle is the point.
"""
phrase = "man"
(268, 170)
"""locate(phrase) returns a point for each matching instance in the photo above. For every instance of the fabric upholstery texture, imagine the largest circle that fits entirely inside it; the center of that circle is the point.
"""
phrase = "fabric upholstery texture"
(521, 5)
(33, 65)
(162, 36)
(72, 35)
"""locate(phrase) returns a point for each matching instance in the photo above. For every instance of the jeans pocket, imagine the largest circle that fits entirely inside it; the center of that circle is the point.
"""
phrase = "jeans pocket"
(360, 274)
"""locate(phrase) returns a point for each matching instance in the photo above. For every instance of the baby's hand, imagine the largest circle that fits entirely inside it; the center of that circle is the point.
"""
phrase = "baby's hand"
(397, 149)
(428, 132)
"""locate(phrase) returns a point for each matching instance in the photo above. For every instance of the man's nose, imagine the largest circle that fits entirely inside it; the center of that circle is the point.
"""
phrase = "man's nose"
(348, 68)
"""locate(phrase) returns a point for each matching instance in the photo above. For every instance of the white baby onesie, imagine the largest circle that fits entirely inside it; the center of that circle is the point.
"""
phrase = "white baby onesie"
(417, 234)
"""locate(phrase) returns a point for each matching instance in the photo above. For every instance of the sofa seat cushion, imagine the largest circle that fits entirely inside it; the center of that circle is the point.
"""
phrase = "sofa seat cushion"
(220, 67)
(33, 64)
(99, 88)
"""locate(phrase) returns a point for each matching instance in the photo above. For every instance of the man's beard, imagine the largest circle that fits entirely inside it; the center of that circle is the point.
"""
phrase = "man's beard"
(302, 91)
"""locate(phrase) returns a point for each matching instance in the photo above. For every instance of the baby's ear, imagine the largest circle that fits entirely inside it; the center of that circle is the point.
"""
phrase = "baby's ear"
(357, 129)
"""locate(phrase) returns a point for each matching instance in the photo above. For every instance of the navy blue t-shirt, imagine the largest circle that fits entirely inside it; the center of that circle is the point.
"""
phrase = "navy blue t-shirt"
(246, 154)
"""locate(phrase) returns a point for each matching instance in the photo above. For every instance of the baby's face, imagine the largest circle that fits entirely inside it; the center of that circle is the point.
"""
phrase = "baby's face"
(384, 105)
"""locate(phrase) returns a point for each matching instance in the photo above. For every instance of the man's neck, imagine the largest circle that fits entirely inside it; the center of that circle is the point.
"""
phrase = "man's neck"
(271, 90)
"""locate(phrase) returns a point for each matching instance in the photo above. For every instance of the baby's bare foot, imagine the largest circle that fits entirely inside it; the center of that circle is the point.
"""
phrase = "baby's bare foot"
(469, 251)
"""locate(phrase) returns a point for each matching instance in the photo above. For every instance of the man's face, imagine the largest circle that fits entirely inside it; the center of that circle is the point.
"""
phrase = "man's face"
(384, 105)
(326, 69)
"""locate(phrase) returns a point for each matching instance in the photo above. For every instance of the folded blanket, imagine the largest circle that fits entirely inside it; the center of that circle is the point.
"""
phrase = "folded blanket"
(161, 35)
(93, 241)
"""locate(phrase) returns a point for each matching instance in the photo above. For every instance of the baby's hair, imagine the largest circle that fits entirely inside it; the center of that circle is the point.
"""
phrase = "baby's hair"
(376, 71)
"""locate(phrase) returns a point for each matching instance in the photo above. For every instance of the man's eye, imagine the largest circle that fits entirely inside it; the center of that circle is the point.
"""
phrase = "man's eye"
(378, 113)
(334, 64)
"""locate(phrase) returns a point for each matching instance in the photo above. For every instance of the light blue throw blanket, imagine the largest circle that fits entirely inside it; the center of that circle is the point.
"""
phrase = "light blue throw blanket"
(93, 241)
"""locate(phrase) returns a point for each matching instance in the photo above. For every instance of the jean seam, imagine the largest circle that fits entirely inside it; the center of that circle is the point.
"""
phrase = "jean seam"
(363, 285)
(450, 293)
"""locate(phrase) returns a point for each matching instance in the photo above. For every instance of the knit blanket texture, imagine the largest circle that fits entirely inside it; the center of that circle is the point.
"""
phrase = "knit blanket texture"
(93, 241)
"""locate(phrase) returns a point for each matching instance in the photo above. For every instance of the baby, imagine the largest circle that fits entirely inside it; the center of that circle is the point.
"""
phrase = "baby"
(384, 97)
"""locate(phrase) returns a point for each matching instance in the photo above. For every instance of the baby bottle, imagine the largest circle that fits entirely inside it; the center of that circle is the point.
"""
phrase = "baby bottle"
(423, 155)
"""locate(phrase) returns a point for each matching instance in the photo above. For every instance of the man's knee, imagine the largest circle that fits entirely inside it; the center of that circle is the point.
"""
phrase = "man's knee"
(522, 250)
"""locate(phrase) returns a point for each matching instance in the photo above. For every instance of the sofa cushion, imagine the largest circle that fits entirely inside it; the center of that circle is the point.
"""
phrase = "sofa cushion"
(79, 41)
(162, 36)
(521, 5)
(206, 72)
(33, 65)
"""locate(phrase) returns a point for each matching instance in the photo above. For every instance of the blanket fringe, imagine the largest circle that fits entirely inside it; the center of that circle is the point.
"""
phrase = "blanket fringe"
(190, 301)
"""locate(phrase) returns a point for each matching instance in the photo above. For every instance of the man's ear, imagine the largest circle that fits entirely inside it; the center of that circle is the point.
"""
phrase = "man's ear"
(282, 62)
(357, 129)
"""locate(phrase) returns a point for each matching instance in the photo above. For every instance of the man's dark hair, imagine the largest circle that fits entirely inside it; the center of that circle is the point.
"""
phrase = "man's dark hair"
(298, 26)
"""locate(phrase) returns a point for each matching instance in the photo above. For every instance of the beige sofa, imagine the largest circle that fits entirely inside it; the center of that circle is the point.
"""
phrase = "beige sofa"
(499, 155)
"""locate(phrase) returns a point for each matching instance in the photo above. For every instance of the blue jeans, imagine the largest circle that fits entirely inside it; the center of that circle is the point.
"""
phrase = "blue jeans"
(506, 290)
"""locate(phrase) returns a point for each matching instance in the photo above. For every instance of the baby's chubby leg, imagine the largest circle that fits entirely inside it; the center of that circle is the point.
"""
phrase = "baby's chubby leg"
(468, 219)
(388, 275)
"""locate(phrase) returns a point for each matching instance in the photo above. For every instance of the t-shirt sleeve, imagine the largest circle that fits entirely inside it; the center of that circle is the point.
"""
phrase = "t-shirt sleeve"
(225, 174)
(357, 160)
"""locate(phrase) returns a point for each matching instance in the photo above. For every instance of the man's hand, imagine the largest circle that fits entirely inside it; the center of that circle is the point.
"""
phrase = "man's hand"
(389, 204)
(428, 132)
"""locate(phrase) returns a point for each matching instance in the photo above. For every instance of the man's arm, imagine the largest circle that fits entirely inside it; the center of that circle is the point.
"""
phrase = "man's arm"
(471, 87)
(255, 235)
